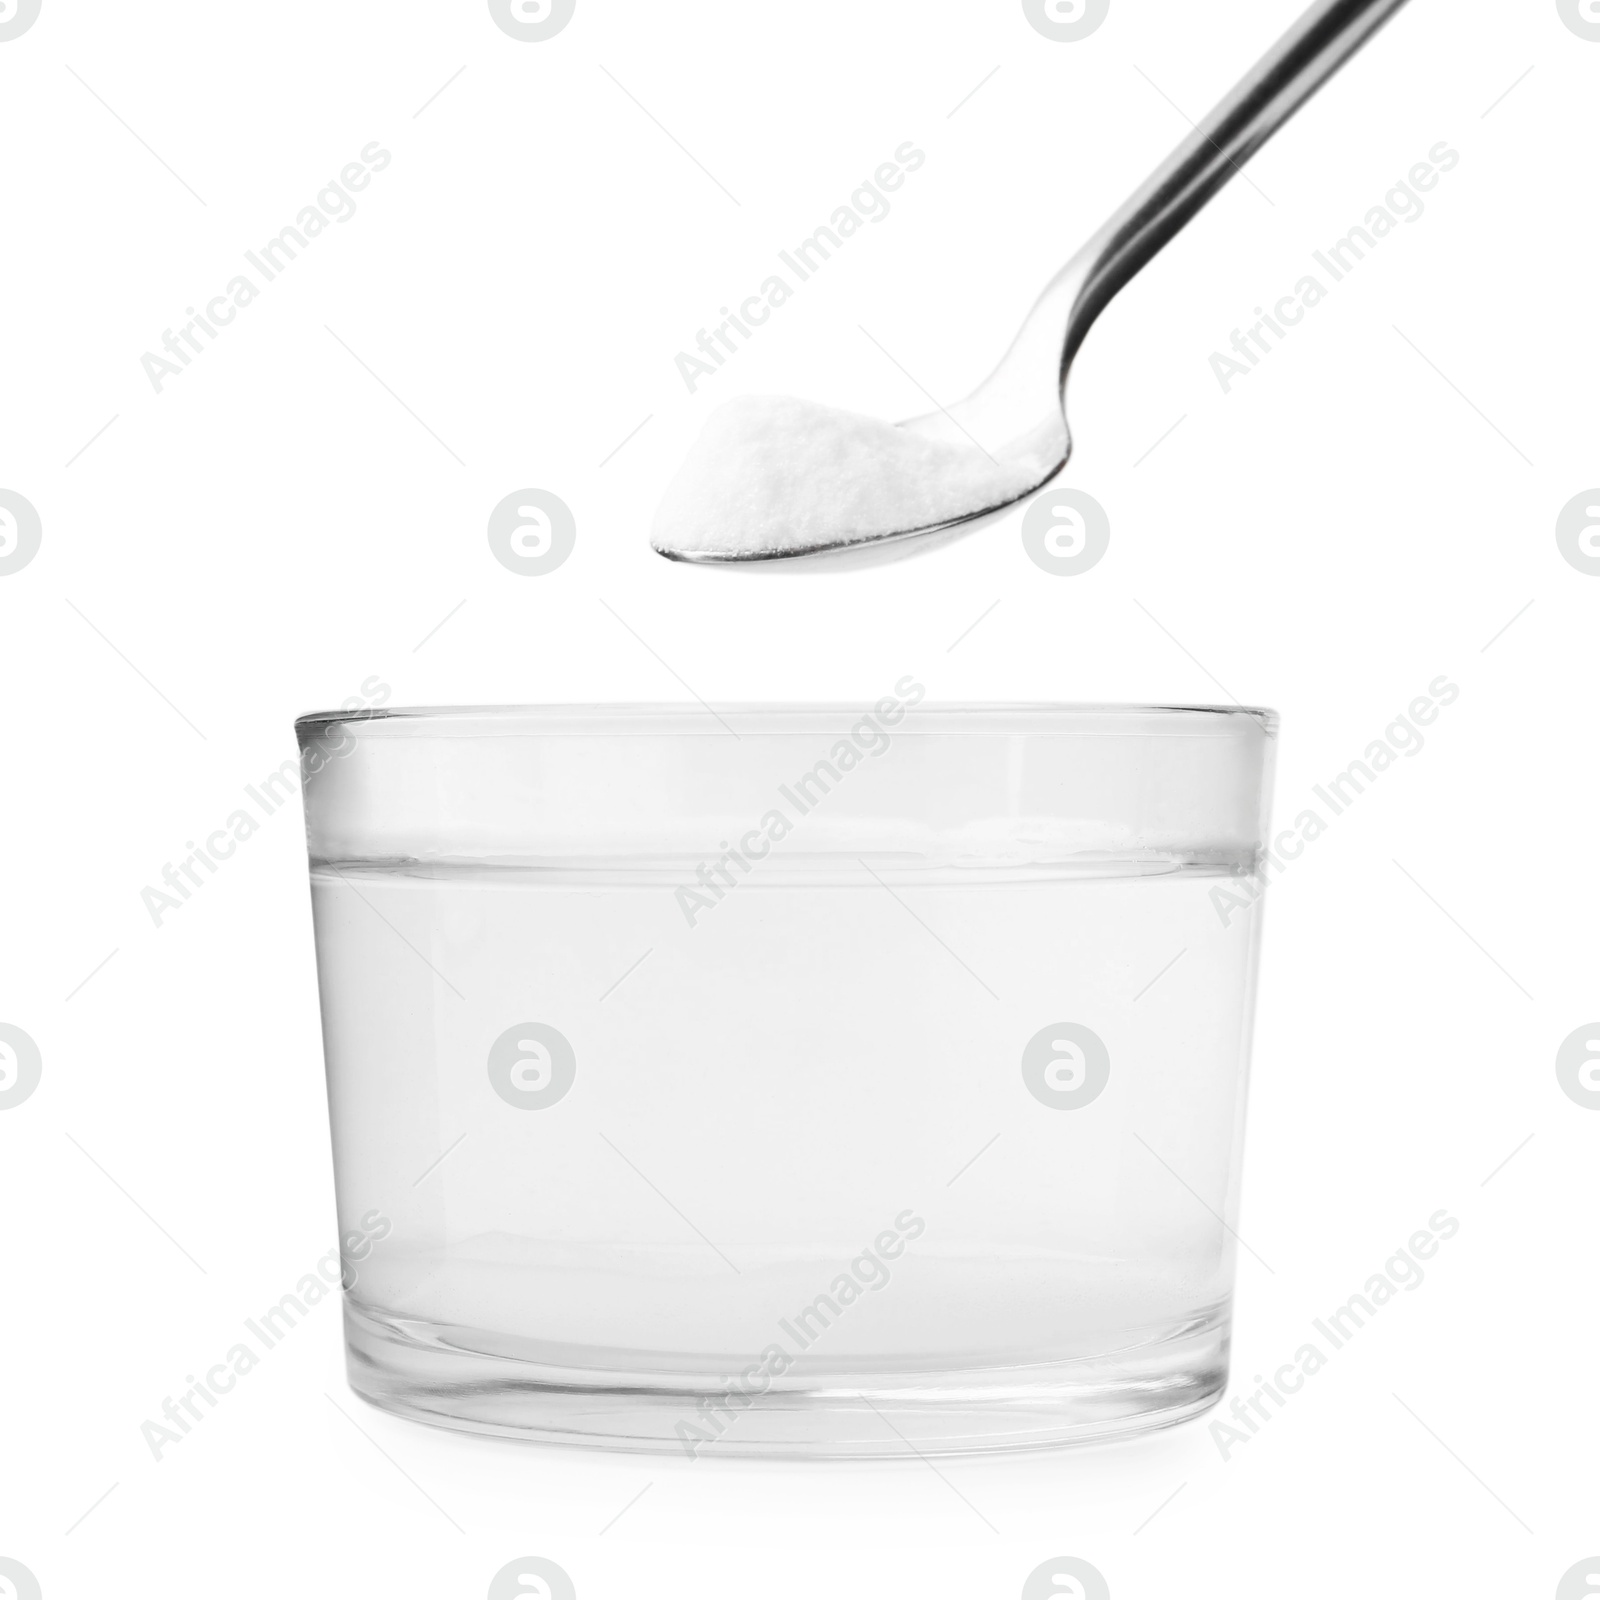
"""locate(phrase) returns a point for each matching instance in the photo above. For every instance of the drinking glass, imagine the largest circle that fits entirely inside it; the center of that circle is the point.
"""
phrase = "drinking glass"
(791, 1079)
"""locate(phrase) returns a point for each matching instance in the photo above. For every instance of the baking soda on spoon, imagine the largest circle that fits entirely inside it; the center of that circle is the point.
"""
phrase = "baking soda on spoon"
(775, 476)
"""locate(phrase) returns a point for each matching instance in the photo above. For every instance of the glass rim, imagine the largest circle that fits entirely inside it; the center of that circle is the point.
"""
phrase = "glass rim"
(713, 718)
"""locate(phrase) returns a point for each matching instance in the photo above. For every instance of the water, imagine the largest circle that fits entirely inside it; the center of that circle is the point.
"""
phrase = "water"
(801, 1123)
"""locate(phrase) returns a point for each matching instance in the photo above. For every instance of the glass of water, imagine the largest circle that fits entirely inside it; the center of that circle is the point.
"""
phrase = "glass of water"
(816, 1080)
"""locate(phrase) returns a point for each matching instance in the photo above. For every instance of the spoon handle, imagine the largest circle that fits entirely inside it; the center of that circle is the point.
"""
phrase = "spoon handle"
(1329, 33)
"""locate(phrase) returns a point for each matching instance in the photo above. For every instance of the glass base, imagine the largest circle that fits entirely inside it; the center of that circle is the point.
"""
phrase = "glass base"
(483, 1383)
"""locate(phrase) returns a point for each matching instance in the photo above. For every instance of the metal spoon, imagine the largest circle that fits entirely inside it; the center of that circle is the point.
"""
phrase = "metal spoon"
(1016, 416)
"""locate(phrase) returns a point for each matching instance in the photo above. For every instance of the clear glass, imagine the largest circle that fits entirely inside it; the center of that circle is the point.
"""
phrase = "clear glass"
(788, 1080)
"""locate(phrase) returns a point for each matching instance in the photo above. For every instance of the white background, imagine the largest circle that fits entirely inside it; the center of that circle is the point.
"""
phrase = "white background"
(1373, 507)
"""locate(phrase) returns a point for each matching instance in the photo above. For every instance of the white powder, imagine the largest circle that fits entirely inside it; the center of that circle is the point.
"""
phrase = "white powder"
(772, 475)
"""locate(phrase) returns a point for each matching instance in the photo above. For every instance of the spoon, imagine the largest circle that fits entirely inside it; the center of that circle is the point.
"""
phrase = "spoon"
(1009, 437)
